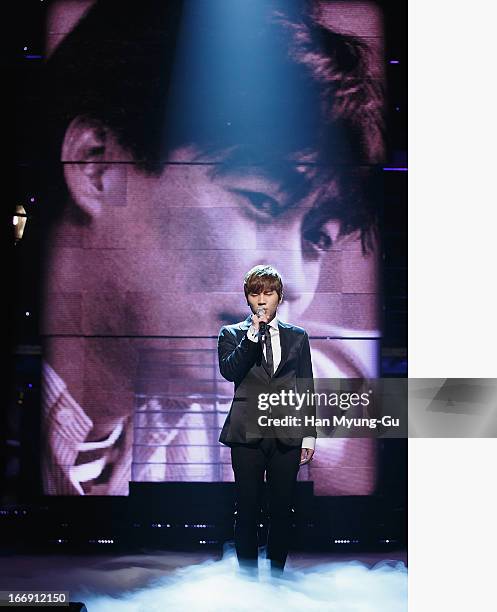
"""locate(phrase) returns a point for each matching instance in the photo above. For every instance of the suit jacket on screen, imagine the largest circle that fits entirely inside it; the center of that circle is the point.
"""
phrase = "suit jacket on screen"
(241, 361)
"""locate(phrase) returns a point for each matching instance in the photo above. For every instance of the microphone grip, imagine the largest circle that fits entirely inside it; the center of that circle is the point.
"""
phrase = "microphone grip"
(263, 329)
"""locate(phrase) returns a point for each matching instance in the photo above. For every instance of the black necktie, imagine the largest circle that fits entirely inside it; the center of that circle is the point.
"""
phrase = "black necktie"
(269, 351)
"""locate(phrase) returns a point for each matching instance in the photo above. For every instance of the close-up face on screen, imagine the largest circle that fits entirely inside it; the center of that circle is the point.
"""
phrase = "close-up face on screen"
(171, 177)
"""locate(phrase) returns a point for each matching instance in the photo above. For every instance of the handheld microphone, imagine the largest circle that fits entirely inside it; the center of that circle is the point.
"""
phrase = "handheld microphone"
(262, 324)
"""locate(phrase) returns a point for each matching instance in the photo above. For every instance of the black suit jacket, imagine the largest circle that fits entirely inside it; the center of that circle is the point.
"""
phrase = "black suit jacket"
(241, 361)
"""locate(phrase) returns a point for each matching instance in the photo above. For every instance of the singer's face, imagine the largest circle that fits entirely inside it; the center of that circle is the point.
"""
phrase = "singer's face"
(193, 234)
(266, 300)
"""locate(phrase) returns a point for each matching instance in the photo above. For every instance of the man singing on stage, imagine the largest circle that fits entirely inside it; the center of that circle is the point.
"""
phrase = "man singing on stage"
(261, 352)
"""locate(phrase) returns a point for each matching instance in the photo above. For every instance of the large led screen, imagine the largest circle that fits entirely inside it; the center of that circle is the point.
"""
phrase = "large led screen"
(187, 142)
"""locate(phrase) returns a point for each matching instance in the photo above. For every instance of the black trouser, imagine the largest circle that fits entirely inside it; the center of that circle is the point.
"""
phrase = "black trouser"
(281, 465)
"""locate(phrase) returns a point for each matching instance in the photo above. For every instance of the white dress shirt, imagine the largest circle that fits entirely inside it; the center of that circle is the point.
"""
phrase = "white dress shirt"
(309, 441)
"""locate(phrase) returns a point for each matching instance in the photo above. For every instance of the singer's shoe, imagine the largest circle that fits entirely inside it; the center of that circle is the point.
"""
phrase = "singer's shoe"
(277, 568)
(249, 569)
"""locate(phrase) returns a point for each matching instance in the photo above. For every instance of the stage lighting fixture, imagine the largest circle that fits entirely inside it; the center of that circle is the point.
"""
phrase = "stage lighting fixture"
(19, 221)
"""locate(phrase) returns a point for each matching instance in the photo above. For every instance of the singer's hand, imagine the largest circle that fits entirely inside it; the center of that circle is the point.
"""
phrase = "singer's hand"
(256, 319)
(306, 455)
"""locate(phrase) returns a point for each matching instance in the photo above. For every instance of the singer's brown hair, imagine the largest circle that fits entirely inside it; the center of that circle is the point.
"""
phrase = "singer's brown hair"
(263, 278)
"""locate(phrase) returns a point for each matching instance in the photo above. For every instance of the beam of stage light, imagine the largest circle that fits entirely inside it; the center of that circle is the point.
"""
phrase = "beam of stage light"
(236, 84)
